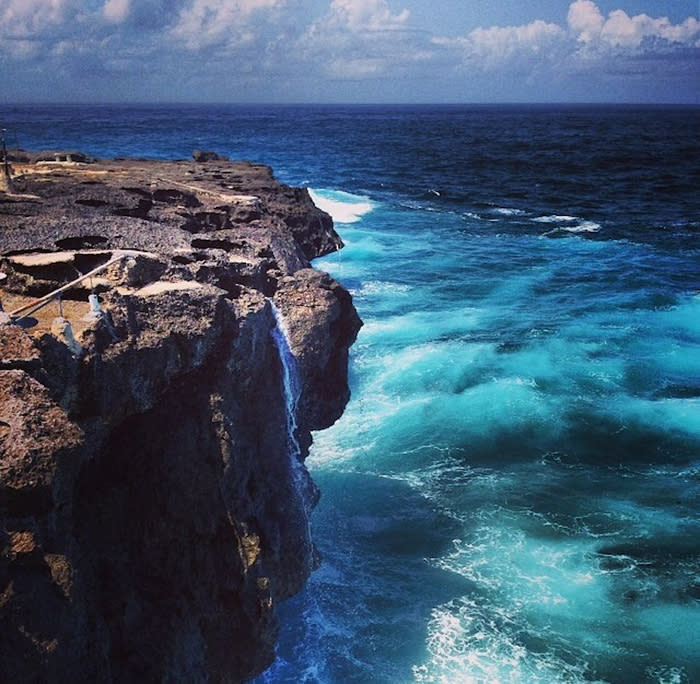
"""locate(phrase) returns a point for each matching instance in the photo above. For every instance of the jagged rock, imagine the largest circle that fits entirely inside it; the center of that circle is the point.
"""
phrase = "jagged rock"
(152, 514)
(200, 156)
(17, 350)
(18, 155)
(37, 433)
(317, 311)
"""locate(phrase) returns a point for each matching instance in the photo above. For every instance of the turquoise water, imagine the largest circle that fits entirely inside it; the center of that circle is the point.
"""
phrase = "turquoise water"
(512, 493)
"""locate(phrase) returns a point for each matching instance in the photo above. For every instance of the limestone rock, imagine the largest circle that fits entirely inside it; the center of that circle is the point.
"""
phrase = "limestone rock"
(318, 310)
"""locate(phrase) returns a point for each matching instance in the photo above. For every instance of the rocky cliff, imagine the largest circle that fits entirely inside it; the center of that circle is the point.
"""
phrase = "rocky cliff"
(153, 512)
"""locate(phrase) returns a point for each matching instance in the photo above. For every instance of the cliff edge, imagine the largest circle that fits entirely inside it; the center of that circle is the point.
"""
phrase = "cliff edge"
(156, 412)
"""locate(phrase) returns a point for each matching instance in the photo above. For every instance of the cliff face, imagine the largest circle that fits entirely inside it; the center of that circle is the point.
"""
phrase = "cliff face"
(153, 513)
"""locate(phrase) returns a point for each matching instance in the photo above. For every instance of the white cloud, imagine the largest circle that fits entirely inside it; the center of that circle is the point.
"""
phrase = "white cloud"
(688, 32)
(204, 23)
(373, 43)
(361, 39)
(28, 28)
(585, 19)
(497, 45)
(32, 17)
(620, 30)
(116, 10)
(364, 15)
(589, 41)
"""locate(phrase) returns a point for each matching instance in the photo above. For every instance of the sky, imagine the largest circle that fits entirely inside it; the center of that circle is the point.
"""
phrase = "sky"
(350, 51)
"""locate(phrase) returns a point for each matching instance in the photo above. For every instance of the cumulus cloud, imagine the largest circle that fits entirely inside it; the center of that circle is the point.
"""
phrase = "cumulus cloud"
(356, 25)
(498, 45)
(621, 30)
(29, 18)
(591, 56)
(362, 39)
(276, 41)
(364, 15)
(29, 28)
(204, 23)
(585, 19)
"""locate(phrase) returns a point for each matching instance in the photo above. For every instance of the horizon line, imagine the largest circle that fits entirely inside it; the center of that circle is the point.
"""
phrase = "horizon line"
(214, 103)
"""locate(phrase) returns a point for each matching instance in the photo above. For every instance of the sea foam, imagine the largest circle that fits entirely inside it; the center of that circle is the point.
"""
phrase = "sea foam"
(343, 207)
(554, 218)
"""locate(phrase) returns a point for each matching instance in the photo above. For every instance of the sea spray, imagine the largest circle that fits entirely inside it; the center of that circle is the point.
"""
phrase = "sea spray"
(343, 207)
(291, 386)
(290, 379)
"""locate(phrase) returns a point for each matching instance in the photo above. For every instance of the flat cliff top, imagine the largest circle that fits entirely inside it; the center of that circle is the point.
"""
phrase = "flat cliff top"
(152, 205)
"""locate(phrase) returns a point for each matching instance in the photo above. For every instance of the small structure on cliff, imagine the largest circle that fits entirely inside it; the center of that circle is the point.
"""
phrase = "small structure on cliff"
(6, 183)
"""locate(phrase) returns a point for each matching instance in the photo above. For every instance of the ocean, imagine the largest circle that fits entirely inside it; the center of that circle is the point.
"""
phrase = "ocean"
(512, 493)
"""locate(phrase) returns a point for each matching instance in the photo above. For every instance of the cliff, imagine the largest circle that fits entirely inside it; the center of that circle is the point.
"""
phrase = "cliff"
(154, 507)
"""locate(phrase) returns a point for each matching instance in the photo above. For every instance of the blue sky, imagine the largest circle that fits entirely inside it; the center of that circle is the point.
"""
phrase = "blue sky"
(350, 50)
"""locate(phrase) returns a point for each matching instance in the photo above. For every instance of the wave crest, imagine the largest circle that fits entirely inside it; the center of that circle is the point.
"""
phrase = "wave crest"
(344, 207)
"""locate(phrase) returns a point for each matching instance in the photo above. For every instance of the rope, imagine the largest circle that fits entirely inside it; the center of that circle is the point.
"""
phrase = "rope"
(34, 306)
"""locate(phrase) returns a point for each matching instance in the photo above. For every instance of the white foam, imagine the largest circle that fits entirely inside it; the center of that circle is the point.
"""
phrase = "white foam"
(380, 287)
(508, 211)
(470, 642)
(664, 674)
(555, 218)
(583, 227)
(571, 224)
(343, 207)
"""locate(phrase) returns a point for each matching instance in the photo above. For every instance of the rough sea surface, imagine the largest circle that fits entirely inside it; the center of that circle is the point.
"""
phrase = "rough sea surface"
(512, 493)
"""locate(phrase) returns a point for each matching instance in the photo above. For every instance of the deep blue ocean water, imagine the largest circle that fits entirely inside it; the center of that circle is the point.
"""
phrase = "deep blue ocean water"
(512, 494)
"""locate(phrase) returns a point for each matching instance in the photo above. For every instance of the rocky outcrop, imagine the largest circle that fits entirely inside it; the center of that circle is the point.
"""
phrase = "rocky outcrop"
(152, 513)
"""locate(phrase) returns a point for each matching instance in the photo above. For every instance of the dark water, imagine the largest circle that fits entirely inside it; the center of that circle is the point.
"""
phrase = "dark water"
(512, 494)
